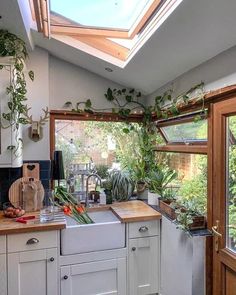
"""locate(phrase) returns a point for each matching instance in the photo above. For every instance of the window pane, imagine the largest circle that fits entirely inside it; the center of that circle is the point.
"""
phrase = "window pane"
(118, 14)
(186, 132)
(231, 184)
(90, 145)
(191, 183)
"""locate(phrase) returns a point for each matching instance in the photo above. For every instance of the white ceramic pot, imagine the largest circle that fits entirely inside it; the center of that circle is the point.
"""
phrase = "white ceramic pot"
(153, 198)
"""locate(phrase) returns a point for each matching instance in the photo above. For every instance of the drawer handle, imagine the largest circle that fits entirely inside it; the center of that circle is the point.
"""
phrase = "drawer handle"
(143, 229)
(52, 259)
(133, 249)
(65, 277)
(32, 241)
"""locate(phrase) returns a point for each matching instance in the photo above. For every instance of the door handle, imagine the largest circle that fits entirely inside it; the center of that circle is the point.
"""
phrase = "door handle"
(217, 235)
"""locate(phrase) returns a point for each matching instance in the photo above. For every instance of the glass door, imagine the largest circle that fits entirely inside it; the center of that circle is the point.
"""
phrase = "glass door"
(224, 197)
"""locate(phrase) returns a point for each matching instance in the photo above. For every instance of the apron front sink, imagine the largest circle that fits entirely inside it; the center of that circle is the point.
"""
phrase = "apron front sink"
(106, 233)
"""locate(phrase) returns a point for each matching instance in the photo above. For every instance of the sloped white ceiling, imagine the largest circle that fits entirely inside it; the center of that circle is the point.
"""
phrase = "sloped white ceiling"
(195, 32)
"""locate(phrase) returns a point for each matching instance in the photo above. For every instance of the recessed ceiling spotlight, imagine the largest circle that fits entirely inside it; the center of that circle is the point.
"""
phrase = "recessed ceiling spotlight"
(109, 70)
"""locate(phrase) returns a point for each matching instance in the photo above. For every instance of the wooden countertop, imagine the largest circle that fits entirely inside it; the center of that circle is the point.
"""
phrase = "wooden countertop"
(10, 226)
(126, 211)
(134, 211)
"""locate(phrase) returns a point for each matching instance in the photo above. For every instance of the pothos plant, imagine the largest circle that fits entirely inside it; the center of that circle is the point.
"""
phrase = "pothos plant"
(12, 46)
(128, 101)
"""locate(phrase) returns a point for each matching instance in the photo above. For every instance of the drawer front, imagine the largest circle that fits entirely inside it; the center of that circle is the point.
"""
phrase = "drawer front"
(2, 244)
(144, 229)
(32, 241)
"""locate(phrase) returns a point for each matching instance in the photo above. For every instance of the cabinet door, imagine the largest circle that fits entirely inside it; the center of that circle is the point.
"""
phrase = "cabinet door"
(33, 272)
(143, 260)
(95, 278)
(3, 275)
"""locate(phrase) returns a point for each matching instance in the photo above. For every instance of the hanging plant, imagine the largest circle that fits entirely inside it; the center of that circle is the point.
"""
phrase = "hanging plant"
(128, 101)
(14, 47)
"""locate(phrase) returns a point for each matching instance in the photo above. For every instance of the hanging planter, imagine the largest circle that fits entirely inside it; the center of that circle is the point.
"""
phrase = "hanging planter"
(13, 47)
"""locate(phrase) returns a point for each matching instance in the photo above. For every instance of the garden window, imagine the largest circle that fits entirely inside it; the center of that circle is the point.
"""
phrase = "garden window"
(186, 133)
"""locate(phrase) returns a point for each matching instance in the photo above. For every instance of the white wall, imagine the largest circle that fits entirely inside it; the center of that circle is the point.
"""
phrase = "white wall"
(70, 82)
(218, 72)
(56, 82)
(38, 98)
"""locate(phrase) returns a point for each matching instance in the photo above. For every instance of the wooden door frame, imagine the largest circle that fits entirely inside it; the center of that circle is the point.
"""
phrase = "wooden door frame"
(221, 111)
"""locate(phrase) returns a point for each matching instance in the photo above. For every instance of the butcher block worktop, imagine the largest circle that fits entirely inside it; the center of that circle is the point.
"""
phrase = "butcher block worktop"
(10, 226)
(134, 211)
(126, 211)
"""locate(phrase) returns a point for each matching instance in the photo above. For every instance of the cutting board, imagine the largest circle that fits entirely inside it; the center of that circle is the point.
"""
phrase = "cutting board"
(31, 170)
(15, 192)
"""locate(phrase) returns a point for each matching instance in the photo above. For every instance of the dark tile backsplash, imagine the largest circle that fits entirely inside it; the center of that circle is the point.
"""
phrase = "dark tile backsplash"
(9, 175)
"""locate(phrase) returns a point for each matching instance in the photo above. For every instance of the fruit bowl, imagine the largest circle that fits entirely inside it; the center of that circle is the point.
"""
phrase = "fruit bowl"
(13, 210)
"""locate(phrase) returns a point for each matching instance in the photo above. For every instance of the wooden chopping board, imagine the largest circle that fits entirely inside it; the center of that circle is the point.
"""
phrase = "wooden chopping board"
(15, 194)
(133, 211)
(31, 170)
(15, 191)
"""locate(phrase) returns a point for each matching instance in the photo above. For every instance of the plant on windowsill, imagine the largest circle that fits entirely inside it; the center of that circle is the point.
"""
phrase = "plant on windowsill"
(127, 102)
(168, 203)
(14, 47)
(190, 216)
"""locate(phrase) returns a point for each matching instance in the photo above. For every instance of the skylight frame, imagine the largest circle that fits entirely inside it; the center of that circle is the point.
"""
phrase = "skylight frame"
(75, 29)
(106, 48)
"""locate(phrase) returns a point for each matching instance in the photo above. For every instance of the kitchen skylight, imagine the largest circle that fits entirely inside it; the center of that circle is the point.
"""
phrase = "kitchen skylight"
(112, 14)
(112, 30)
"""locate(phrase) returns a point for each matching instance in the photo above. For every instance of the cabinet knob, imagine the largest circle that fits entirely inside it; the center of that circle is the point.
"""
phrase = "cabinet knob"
(143, 229)
(133, 248)
(65, 277)
(52, 259)
(32, 241)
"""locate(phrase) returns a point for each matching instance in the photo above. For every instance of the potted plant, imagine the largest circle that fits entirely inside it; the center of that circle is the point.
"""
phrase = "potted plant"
(159, 179)
(168, 203)
(191, 216)
(122, 185)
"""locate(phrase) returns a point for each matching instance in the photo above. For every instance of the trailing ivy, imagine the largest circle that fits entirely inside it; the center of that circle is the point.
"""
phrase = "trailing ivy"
(12, 46)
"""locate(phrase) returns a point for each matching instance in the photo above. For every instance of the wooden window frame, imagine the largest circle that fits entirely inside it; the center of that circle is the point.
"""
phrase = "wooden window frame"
(53, 23)
(193, 147)
(99, 117)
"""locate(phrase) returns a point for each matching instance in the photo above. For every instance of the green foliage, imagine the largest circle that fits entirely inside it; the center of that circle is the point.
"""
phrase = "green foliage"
(194, 191)
(102, 171)
(159, 179)
(184, 219)
(12, 46)
(169, 194)
(122, 185)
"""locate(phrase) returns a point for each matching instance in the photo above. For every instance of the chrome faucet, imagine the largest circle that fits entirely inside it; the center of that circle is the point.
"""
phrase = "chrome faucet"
(87, 183)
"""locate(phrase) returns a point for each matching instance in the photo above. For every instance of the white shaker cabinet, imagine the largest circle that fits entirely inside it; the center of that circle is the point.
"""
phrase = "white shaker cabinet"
(33, 272)
(143, 258)
(94, 278)
(33, 263)
(3, 266)
(8, 136)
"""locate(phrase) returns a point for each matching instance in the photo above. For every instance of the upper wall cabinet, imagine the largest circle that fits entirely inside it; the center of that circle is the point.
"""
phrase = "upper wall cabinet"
(10, 137)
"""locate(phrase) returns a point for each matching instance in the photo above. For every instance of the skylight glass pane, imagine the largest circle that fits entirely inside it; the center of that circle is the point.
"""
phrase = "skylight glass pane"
(186, 132)
(114, 14)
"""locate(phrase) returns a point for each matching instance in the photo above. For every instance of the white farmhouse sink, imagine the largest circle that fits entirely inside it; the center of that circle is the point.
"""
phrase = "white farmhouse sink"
(106, 233)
